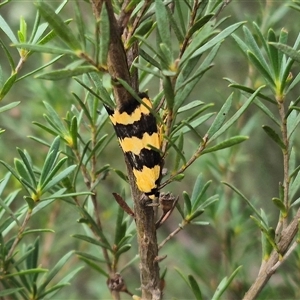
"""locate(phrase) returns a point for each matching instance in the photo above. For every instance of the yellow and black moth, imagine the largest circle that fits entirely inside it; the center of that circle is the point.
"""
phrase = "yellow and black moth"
(136, 129)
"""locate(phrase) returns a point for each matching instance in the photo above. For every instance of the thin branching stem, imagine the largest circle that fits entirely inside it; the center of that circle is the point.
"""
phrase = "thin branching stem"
(171, 235)
(189, 163)
(19, 235)
(285, 138)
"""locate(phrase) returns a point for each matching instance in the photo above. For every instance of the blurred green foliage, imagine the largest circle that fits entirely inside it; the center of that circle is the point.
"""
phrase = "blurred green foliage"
(199, 257)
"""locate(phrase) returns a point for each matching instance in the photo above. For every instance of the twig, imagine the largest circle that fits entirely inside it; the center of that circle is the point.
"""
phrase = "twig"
(19, 235)
(287, 254)
(192, 159)
(137, 20)
(286, 238)
(178, 229)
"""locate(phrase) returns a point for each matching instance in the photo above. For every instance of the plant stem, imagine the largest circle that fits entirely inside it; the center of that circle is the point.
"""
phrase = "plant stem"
(286, 180)
(178, 229)
(19, 236)
(268, 269)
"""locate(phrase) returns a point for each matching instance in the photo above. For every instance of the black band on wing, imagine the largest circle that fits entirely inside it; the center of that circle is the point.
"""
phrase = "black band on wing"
(147, 123)
(147, 157)
(131, 106)
(154, 192)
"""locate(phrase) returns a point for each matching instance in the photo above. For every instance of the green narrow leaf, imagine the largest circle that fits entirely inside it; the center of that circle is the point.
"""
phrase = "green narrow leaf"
(264, 72)
(274, 136)
(273, 52)
(156, 53)
(80, 23)
(58, 178)
(266, 246)
(250, 91)
(10, 169)
(254, 49)
(149, 59)
(220, 118)
(40, 68)
(22, 33)
(6, 29)
(267, 111)
(289, 51)
(144, 28)
(148, 70)
(23, 173)
(294, 187)
(90, 240)
(3, 182)
(12, 291)
(190, 105)
(237, 115)
(175, 27)
(32, 259)
(209, 201)
(247, 201)
(89, 256)
(218, 38)
(104, 36)
(195, 287)
(195, 77)
(178, 151)
(180, 210)
(9, 106)
(100, 145)
(200, 23)
(52, 273)
(58, 25)
(50, 160)
(278, 202)
(54, 119)
(8, 55)
(196, 198)
(260, 39)
(193, 124)
(26, 272)
(182, 276)
(43, 27)
(125, 239)
(267, 231)
(66, 73)
(169, 92)
(53, 289)
(94, 266)
(227, 143)
(44, 49)
(179, 9)
(198, 186)
(84, 108)
(195, 215)
(47, 129)
(74, 132)
(7, 85)
(28, 165)
(6, 208)
(187, 203)
(119, 233)
(163, 23)
(183, 93)
(123, 249)
(222, 287)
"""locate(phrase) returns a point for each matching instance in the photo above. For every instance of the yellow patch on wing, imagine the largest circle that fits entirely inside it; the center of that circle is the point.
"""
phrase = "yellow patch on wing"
(125, 119)
(135, 145)
(145, 179)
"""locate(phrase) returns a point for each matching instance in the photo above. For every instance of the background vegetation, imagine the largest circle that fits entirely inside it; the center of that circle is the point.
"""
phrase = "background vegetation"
(255, 167)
